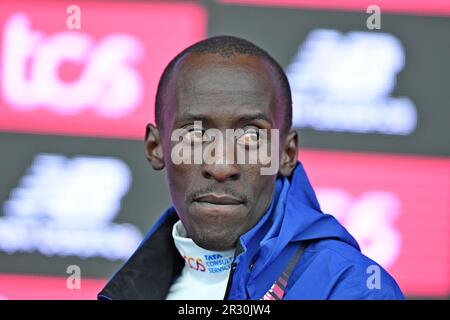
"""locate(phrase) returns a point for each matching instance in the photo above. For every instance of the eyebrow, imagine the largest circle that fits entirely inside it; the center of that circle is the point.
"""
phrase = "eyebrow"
(245, 118)
(255, 116)
(188, 117)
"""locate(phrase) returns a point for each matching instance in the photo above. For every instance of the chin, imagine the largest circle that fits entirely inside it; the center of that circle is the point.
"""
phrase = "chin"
(216, 246)
(216, 242)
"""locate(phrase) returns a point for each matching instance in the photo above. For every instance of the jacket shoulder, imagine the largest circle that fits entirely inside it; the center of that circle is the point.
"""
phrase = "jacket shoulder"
(333, 269)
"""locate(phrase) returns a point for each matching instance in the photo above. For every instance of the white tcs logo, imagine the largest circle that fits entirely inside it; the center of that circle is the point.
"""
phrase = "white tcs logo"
(31, 61)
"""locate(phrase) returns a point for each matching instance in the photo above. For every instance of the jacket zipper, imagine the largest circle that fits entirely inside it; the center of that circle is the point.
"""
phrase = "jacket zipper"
(230, 281)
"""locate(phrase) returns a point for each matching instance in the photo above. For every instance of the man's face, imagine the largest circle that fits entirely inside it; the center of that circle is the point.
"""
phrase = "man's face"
(217, 203)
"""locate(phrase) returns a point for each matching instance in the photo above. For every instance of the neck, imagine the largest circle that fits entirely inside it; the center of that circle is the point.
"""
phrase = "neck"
(205, 265)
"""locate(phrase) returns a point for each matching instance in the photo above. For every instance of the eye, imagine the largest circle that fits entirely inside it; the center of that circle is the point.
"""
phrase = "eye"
(194, 135)
(249, 138)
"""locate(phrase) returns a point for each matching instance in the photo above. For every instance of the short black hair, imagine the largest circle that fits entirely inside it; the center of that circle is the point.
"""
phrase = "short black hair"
(227, 47)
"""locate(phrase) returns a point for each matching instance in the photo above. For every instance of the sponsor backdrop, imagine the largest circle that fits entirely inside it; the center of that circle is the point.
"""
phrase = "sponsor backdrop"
(77, 194)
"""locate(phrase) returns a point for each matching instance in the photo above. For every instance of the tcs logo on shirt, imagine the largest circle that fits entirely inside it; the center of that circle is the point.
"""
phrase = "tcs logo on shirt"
(196, 264)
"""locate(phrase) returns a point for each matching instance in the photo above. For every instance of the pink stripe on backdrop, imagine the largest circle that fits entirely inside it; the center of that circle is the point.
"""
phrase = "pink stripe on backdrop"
(26, 287)
(419, 7)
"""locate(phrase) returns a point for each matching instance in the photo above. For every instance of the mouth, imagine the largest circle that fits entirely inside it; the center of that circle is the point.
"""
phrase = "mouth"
(219, 200)
(215, 204)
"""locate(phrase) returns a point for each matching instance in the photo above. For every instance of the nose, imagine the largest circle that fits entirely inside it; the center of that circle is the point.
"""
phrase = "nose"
(221, 168)
(221, 172)
(220, 164)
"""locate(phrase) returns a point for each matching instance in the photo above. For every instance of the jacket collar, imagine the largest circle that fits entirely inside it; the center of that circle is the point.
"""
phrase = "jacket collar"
(150, 271)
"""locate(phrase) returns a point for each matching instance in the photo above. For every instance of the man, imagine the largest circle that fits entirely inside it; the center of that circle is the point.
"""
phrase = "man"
(233, 232)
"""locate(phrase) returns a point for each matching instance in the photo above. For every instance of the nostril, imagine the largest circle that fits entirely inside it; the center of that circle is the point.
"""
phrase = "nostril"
(234, 177)
(220, 172)
(207, 175)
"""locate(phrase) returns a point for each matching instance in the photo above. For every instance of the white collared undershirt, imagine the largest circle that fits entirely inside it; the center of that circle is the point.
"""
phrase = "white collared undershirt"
(205, 273)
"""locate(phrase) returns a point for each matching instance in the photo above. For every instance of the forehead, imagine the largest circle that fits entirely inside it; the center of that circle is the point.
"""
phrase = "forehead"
(222, 90)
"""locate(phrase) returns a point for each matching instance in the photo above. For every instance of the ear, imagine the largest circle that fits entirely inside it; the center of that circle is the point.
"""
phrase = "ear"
(289, 153)
(153, 147)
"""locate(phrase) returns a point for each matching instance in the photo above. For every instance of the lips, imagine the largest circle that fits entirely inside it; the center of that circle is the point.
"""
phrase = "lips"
(215, 199)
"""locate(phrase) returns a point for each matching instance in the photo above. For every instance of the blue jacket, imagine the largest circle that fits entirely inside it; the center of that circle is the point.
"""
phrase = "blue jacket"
(331, 266)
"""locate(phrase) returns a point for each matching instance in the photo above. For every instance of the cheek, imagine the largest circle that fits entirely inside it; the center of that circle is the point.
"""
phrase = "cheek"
(260, 186)
(178, 177)
(183, 180)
